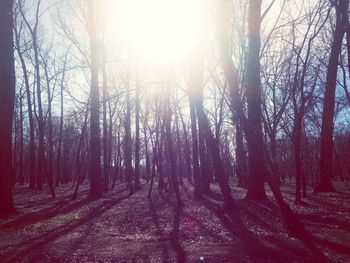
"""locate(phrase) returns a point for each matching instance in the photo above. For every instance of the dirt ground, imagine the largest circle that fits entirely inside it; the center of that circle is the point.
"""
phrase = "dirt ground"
(123, 228)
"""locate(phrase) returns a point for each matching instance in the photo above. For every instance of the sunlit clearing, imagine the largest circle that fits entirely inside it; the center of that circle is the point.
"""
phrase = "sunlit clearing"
(158, 31)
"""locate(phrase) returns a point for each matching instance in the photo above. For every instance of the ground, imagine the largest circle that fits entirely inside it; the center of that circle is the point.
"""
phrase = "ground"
(124, 228)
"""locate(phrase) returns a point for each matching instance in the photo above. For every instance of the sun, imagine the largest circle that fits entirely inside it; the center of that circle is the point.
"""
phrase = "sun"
(158, 31)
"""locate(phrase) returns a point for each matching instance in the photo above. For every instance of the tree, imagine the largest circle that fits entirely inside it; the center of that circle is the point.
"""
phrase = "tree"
(326, 152)
(18, 29)
(137, 128)
(255, 141)
(33, 30)
(194, 99)
(7, 99)
(95, 147)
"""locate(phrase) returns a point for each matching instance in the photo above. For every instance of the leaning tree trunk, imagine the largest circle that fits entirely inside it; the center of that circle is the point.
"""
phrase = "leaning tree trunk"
(326, 153)
(297, 136)
(292, 222)
(7, 98)
(217, 161)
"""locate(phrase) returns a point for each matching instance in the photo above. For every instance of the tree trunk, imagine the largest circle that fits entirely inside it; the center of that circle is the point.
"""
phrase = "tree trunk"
(170, 146)
(21, 141)
(241, 167)
(32, 165)
(187, 150)
(218, 163)
(59, 147)
(194, 97)
(297, 156)
(105, 130)
(95, 148)
(7, 98)
(49, 169)
(78, 165)
(41, 161)
(148, 163)
(127, 152)
(326, 153)
(195, 159)
(204, 163)
(137, 135)
(255, 141)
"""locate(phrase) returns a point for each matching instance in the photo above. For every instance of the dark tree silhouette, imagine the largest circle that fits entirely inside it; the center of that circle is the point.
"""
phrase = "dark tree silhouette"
(7, 99)
(95, 147)
(326, 153)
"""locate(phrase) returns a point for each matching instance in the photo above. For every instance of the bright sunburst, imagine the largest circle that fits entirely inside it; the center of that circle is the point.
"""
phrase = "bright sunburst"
(158, 31)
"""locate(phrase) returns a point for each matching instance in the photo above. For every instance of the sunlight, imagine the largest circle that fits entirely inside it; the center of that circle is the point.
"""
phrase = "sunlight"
(158, 31)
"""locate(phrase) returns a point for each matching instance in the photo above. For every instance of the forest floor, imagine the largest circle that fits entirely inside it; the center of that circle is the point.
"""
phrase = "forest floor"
(124, 228)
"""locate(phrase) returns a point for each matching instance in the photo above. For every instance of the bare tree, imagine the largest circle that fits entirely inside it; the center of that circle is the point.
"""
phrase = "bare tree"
(326, 158)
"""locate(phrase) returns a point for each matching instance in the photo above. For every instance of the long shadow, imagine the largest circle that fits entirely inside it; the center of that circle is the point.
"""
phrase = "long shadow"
(233, 223)
(159, 230)
(252, 246)
(259, 220)
(210, 232)
(339, 248)
(270, 212)
(50, 199)
(174, 235)
(326, 221)
(204, 228)
(37, 243)
(44, 214)
(62, 206)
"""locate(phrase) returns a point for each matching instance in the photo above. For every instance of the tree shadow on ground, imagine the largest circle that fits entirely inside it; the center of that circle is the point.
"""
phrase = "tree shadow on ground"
(327, 222)
(258, 243)
(153, 208)
(174, 235)
(61, 207)
(53, 207)
(33, 245)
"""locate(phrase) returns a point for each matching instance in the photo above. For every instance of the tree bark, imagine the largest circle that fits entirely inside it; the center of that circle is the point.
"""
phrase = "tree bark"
(95, 147)
(326, 153)
(255, 141)
(241, 167)
(218, 163)
(7, 98)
